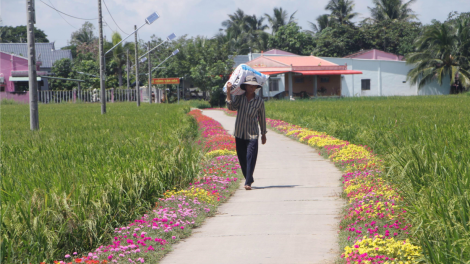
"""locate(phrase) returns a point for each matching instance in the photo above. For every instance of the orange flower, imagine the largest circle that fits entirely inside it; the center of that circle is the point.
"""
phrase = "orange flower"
(79, 260)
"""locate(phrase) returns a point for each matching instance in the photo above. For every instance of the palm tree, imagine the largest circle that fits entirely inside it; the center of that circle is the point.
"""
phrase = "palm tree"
(279, 19)
(257, 34)
(438, 55)
(323, 21)
(237, 23)
(84, 35)
(238, 44)
(342, 11)
(119, 54)
(392, 10)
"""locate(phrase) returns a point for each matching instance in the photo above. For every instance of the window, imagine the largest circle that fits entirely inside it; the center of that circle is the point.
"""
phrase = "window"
(273, 85)
(365, 84)
(325, 79)
(299, 80)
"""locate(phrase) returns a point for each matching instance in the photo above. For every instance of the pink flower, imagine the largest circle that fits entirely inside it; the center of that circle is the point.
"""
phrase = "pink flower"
(67, 256)
(173, 237)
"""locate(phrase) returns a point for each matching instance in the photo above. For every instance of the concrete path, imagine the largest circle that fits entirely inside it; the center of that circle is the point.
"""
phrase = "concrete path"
(291, 216)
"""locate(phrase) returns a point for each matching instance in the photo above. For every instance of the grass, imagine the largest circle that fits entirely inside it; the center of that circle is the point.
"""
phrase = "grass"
(8, 102)
(201, 104)
(66, 187)
(425, 142)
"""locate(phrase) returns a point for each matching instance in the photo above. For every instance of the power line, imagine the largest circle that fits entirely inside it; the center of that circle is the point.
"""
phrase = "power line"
(113, 18)
(66, 13)
(62, 16)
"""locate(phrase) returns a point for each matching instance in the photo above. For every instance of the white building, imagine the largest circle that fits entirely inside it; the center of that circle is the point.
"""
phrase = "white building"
(383, 74)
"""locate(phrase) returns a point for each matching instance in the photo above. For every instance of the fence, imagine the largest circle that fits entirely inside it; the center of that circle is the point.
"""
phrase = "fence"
(86, 96)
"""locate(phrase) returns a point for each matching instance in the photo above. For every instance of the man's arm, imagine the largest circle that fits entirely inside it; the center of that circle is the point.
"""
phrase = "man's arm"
(231, 105)
(262, 123)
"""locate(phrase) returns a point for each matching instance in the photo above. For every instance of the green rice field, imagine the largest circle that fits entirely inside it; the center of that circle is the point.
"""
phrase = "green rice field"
(66, 187)
(425, 142)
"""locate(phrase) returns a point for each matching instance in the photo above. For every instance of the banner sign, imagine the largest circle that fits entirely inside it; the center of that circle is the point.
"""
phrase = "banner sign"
(165, 80)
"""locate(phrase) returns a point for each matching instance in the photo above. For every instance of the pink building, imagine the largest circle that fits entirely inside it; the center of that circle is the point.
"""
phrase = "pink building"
(12, 85)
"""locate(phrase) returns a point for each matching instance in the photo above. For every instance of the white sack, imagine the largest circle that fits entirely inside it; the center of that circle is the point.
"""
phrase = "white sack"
(239, 75)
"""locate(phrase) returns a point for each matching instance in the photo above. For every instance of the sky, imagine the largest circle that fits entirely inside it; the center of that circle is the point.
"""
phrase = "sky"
(190, 17)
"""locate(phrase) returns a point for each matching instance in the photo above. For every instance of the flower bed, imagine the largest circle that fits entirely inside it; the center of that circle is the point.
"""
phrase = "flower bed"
(149, 238)
(226, 111)
(374, 224)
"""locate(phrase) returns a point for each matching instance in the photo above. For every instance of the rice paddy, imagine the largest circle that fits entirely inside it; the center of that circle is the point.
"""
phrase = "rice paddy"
(425, 143)
(66, 187)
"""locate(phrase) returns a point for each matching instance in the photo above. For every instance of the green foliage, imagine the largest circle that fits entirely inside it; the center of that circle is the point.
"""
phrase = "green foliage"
(243, 32)
(442, 50)
(339, 41)
(84, 35)
(427, 156)
(279, 18)
(342, 11)
(392, 36)
(18, 34)
(5, 101)
(392, 10)
(201, 104)
(63, 69)
(292, 39)
(83, 174)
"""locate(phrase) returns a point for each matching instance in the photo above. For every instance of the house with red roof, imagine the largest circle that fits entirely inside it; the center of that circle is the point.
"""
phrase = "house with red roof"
(299, 76)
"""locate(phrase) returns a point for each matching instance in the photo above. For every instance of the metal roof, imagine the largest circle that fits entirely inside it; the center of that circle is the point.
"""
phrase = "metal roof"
(45, 52)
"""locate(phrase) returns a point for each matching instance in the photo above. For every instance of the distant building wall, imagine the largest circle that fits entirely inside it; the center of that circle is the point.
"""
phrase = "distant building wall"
(387, 78)
(8, 63)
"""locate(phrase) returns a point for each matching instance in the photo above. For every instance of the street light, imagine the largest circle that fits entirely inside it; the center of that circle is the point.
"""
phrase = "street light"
(87, 74)
(169, 38)
(149, 20)
(172, 54)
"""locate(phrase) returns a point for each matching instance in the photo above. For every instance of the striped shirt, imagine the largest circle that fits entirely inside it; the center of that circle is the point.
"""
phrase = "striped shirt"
(249, 115)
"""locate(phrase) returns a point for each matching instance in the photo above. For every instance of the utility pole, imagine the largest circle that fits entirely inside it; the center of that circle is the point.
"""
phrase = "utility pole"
(102, 65)
(150, 74)
(127, 64)
(137, 89)
(33, 83)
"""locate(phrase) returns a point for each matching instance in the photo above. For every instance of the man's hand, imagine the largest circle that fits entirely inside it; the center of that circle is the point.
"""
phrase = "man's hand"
(263, 139)
(229, 88)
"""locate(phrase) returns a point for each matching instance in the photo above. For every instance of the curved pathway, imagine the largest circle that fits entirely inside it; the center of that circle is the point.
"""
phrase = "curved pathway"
(291, 215)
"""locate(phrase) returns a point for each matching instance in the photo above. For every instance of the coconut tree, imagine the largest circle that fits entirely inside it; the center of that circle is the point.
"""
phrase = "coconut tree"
(119, 54)
(257, 34)
(237, 23)
(341, 11)
(84, 35)
(392, 10)
(323, 21)
(439, 55)
(279, 18)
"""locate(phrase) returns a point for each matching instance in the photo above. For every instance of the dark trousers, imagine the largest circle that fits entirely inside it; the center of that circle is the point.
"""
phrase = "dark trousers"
(247, 152)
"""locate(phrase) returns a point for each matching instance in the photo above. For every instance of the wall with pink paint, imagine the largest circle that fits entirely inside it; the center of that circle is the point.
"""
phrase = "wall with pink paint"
(8, 63)
(19, 97)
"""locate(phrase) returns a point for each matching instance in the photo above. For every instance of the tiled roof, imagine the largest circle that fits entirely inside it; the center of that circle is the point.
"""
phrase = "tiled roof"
(374, 54)
(303, 61)
(45, 52)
